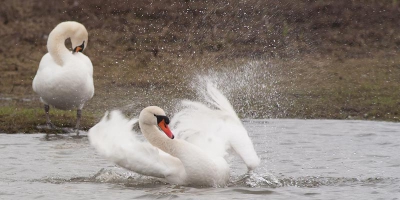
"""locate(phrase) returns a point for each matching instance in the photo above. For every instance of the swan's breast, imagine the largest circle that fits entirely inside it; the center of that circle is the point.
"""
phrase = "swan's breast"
(64, 87)
(200, 167)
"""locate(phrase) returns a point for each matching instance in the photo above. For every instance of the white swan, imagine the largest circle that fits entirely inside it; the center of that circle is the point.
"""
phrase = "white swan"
(64, 78)
(194, 157)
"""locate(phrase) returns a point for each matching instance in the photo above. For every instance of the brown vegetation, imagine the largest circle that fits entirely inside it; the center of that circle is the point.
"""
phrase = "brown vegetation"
(329, 59)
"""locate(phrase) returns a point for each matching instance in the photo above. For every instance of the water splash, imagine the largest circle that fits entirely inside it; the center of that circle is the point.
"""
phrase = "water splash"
(251, 88)
(253, 179)
(250, 180)
(106, 176)
(270, 181)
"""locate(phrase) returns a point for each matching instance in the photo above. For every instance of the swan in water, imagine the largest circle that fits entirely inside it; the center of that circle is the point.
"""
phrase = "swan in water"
(194, 156)
(65, 79)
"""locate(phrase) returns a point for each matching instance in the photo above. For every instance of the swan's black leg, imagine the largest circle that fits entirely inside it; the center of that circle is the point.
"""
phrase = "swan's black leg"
(78, 120)
(48, 121)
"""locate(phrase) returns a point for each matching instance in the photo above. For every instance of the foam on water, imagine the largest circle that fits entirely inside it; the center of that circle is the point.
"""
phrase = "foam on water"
(105, 176)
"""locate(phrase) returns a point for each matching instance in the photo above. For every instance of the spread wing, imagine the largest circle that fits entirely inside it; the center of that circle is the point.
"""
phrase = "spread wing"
(114, 138)
(215, 130)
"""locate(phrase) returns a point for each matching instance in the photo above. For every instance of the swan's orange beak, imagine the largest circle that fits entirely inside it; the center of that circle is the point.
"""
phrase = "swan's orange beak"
(164, 127)
(78, 49)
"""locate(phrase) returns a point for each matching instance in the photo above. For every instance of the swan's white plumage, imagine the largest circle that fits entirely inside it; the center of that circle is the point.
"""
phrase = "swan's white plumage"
(114, 138)
(214, 130)
(65, 79)
(194, 157)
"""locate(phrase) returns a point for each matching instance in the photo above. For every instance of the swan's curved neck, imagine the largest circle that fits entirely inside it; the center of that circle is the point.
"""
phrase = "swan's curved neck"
(56, 43)
(158, 139)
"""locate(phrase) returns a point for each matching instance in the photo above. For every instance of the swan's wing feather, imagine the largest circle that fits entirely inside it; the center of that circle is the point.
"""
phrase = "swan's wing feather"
(46, 71)
(114, 138)
(197, 124)
(214, 130)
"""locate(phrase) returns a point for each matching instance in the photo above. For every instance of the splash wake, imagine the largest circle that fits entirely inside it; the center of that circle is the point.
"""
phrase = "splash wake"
(247, 180)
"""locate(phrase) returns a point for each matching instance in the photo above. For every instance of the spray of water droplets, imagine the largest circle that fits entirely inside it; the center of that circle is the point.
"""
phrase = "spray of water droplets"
(251, 88)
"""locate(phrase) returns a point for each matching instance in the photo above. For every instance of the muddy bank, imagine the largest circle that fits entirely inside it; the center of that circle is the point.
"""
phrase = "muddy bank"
(325, 59)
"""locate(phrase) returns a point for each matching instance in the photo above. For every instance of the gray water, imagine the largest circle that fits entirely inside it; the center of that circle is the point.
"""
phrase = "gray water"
(301, 159)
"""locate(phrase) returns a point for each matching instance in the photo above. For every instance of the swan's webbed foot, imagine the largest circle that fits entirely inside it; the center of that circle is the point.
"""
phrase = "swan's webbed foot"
(51, 126)
(76, 131)
(47, 127)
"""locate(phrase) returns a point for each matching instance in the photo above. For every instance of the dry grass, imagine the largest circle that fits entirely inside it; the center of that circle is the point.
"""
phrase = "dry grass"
(298, 59)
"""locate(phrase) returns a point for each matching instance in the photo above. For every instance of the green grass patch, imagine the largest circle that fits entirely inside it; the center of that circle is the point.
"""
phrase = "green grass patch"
(25, 120)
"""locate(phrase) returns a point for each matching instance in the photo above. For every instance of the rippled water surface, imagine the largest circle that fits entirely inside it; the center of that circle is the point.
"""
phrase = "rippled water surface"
(301, 159)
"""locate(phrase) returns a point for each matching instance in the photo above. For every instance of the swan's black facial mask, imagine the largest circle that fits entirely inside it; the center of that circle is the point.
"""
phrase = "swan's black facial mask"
(163, 122)
(161, 117)
(79, 48)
